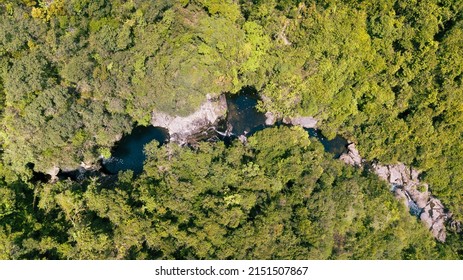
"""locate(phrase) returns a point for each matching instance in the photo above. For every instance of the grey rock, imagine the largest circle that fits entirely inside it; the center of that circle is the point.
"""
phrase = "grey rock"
(414, 174)
(421, 198)
(395, 176)
(415, 194)
(352, 156)
(180, 128)
(53, 172)
(434, 217)
(270, 118)
(429, 209)
(382, 171)
(307, 122)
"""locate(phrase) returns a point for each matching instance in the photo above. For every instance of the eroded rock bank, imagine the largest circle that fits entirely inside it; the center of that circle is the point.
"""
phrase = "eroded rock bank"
(407, 187)
(53, 172)
(83, 171)
(352, 156)
(181, 128)
(304, 121)
(239, 111)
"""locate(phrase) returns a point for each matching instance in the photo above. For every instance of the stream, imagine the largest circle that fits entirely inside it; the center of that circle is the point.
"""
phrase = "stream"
(242, 119)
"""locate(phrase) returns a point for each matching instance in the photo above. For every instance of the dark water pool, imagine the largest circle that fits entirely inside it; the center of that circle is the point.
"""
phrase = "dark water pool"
(128, 153)
(336, 146)
(242, 113)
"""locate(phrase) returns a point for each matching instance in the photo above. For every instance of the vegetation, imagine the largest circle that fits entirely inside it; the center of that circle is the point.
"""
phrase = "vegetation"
(76, 75)
(289, 202)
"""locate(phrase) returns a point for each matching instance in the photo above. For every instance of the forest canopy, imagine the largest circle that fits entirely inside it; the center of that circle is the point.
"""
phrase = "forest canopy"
(75, 76)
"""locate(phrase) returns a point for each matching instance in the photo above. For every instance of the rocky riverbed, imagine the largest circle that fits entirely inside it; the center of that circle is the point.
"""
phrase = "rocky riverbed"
(406, 186)
(181, 128)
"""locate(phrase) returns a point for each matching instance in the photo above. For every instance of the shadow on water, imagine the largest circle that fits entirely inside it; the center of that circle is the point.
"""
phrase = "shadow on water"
(336, 146)
(242, 115)
(128, 153)
(37, 176)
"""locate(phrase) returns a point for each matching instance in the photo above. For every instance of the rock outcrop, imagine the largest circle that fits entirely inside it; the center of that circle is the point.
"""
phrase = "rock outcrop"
(53, 172)
(282, 34)
(352, 156)
(406, 186)
(180, 128)
(270, 118)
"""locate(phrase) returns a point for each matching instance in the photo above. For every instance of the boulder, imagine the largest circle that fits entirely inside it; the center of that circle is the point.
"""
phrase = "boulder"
(434, 217)
(404, 173)
(307, 122)
(406, 186)
(53, 172)
(352, 156)
(382, 171)
(395, 176)
(87, 166)
(421, 198)
(401, 195)
(414, 174)
(270, 118)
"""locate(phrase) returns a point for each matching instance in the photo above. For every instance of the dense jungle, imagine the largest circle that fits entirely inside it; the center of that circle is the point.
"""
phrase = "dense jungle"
(77, 76)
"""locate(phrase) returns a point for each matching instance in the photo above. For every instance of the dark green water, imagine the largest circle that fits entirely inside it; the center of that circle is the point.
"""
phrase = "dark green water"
(242, 113)
(128, 153)
(245, 119)
(336, 146)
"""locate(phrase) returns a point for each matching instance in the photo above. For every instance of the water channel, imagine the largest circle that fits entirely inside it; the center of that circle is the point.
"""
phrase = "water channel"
(242, 119)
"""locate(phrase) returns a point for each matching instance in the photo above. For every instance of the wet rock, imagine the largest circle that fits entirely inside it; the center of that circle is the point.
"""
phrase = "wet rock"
(414, 209)
(421, 198)
(180, 128)
(400, 194)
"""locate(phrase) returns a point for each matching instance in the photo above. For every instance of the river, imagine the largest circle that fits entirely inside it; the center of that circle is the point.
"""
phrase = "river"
(242, 119)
